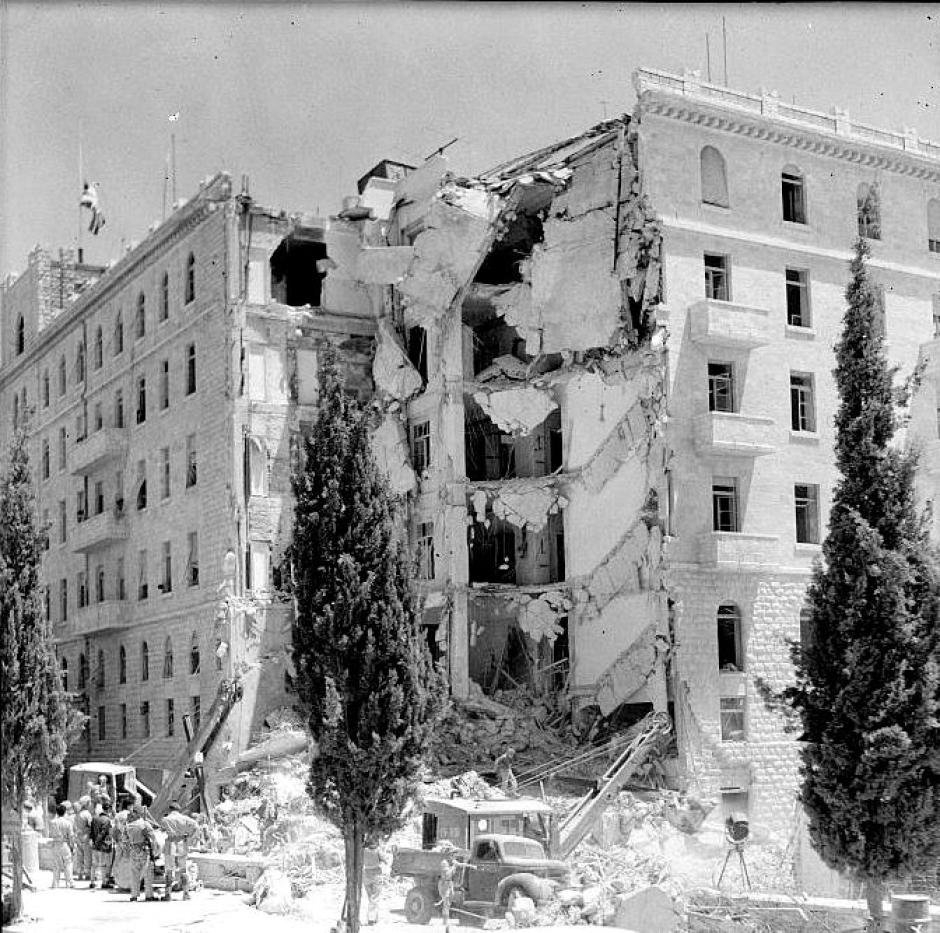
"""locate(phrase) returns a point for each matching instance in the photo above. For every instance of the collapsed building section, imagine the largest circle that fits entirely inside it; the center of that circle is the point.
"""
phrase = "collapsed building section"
(519, 387)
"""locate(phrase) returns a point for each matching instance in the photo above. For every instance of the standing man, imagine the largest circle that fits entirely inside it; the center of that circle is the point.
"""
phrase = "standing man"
(372, 881)
(63, 843)
(181, 830)
(445, 888)
(507, 780)
(81, 865)
(102, 845)
(143, 846)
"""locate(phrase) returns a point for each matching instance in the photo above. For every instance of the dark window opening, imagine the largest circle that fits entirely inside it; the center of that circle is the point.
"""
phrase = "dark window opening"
(561, 657)
(797, 298)
(295, 278)
(725, 504)
(490, 452)
(503, 262)
(721, 387)
(434, 649)
(494, 339)
(492, 552)
(556, 448)
(730, 653)
(794, 200)
(418, 351)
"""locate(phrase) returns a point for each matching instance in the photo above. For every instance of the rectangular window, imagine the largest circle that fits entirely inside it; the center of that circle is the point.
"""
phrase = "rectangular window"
(45, 459)
(99, 497)
(721, 387)
(81, 512)
(190, 460)
(119, 493)
(717, 277)
(191, 369)
(165, 384)
(165, 473)
(80, 427)
(62, 448)
(802, 402)
(421, 446)
(82, 586)
(426, 551)
(119, 409)
(258, 553)
(98, 417)
(143, 588)
(794, 201)
(121, 585)
(63, 600)
(141, 400)
(192, 562)
(99, 583)
(45, 529)
(195, 707)
(798, 298)
(725, 504)
(123, 720)
(936, 315)
(145, 718)
(167, 585)
(62, 522)
(102, 726)
(806, 503)
(170, 718)
(732, 719)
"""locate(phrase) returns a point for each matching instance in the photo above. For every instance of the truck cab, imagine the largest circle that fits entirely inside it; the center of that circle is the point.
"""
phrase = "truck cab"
(460, 821)
(122, 782)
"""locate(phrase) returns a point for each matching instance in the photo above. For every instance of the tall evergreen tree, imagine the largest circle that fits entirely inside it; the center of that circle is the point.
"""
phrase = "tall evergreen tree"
(867, 688)
(36, 719)
(363, 675)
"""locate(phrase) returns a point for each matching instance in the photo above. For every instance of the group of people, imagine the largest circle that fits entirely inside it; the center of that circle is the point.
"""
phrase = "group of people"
(90, 842)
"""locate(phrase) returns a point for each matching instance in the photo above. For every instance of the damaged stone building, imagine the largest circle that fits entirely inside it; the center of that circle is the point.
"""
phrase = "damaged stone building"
(599, 376)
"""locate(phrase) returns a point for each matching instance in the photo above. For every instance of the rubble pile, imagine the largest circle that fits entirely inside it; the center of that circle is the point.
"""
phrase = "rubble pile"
(476, 728)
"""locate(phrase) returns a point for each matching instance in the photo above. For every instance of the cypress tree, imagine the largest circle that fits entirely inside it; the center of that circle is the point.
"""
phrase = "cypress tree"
(363, 675)
(867, 687)
(36, 719)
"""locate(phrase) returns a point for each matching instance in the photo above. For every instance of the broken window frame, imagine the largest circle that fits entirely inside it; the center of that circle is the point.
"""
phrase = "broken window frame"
(717, 277)
(797, 292)
(141, 399)
(417, 350)
(195, 660)
(192, 474)
(192, 561)
(725, 510)
(868, 202)
(426, 561)
(732, 712)
(421, 446)
(170, 717)
(166, 586)
(806, 512)
(143, 585)
(721, 387)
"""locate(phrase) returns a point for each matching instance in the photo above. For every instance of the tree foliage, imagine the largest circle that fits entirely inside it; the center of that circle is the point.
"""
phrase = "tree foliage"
(868, 682)
(363, 675)
(36, 719)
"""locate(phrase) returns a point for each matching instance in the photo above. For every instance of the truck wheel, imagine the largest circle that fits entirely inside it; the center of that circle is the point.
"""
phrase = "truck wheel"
(419, 905)
(512, 892)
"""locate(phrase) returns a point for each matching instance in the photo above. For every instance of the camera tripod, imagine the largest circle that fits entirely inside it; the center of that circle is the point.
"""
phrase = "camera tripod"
(739, 848)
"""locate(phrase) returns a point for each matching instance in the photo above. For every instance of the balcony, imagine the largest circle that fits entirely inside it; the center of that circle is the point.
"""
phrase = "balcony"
(731, 550)
(99, 531)
(105, 616)
(725, 324)
(731, 434)
(100, 447)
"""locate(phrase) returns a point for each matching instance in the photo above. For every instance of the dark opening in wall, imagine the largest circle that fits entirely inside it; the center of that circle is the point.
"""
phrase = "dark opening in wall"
(490, 453)
(492, 552)
(295, 279)
(418, 351)
(502, 264)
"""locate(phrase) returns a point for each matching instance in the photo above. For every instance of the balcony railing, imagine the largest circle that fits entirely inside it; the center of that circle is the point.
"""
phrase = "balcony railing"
(726, 324)
(105, 616)
(99, 531)
(100, 447)
(733, 434)
(734, 549)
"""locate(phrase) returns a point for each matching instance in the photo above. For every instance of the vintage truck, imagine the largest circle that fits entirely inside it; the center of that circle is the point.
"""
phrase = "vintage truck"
(489, 875)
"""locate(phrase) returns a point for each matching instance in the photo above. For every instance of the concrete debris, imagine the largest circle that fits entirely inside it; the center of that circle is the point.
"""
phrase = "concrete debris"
(538, 617)
(517, 411)
(628, 673)
(385, 265)
(342, 289)
(394, 375)
(390, 447)
(458, 230)
(649, 909)
(525, 503)
(503, 367)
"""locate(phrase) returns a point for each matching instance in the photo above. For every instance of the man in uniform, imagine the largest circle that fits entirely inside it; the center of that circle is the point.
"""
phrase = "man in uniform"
(102, 844)
(445, 888)
(143, 848)
(81, 865)
(63, 843)
(507, 780)
(181, 830)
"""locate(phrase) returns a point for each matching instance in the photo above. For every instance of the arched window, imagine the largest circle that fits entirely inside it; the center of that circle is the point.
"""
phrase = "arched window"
(45, 388)
(64, 668)
(168, 658)
(20, 335)
(869, 211)
(730, 645)
(144, 661)
(82, 671)
(80, 363)
(165, 296)
(714, 177)
(118, 334)
(99, 349)
(190, 287)
(793, 192)
(122, 665)
(933, 225)
(100, 671)
(141, 315)
(63, 376)
(194, 663)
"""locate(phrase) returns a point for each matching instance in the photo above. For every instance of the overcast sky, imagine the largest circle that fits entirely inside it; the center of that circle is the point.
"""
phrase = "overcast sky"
(306, 97)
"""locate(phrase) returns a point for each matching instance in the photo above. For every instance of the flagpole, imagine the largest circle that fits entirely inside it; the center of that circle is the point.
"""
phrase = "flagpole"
(81, 183)
(173, 150)
(166, 174)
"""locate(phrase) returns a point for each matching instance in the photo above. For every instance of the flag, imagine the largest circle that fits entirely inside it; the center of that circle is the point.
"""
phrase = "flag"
(174, 117)
(89, 199)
